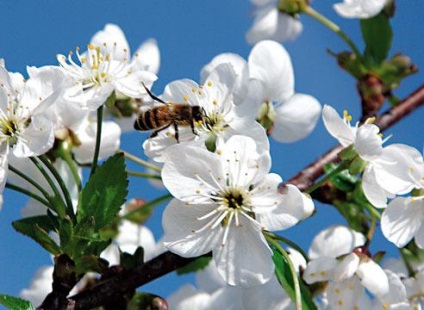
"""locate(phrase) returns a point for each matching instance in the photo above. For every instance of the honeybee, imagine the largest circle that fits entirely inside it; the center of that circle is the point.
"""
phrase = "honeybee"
(161, 117)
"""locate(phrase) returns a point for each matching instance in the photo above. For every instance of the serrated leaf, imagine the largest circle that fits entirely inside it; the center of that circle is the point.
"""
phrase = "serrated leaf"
(284, 276)
(37, 228)
(196, 265)
(377, 33)
(15, 303)
(105, 192)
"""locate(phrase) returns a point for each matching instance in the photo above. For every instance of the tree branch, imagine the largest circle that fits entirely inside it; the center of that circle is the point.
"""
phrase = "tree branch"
(308, 175)
(105, 291)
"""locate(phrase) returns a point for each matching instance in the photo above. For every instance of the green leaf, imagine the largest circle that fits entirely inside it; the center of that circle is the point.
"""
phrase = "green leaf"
(15, 303)
(343, 181)
(196, 265)
(377, 33)
(105, 192)
(284, 276)
(37, 228)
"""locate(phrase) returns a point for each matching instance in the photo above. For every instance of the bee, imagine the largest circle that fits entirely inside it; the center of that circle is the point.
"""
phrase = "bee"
(161, 117)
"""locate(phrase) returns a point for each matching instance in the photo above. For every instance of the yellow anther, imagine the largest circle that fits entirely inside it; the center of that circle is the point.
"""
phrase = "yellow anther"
(385, 306)
(209, 83)
(200, 92)
(337, 291)
(185, 98)
(412, 200)
(91, 46)
(215, 102)
(323, 273)
(103, 74)
(351, 287)
(193, 90)
(71, 53)
(83, 59)
(340, 302)
(77, 48)
(219, 152)
(197, 191)
(370, 120)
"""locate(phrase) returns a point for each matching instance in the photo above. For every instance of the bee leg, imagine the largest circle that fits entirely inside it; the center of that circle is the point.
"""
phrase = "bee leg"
(155, 133)
(192, 129)
(153, 96)
(177, 136)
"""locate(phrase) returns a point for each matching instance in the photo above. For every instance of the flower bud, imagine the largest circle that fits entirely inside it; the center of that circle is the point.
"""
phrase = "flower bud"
(292, 7)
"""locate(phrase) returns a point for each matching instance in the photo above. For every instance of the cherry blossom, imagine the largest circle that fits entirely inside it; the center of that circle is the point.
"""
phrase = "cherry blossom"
(223, 202)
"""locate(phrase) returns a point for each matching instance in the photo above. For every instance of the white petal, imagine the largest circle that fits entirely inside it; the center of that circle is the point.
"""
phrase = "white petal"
(180, 221)
(359, 8)
(245, 259)
(375, 194)
(347, 294)
(337, 127)
(402, 219)
(419, 237)
(182, 91)
(373, 277)
(293, 206)
(270, 63)
(240, 67)
(335, 241)
(368, 142)
(346, 267)
(190, 173)
(270, 24)
(295, 118)
(109, 143)
(187, 297)
(111, 40)
(320, 269)
(37, 138)
(396, 292)
(147, 56)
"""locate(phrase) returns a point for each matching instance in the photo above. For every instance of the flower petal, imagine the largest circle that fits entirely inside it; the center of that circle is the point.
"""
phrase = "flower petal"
(245, 259)
(295, 118)
(147, 57)
(320, 269)
(373, 277)
(270, 63)
(337, 127)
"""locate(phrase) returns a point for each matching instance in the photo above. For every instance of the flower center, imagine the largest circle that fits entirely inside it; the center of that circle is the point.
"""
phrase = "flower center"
(10, 129)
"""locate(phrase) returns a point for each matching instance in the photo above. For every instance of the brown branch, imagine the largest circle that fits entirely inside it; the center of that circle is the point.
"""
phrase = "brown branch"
(307, 176)
(106, 291)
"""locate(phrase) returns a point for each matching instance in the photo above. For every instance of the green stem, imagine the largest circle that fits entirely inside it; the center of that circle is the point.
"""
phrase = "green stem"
(342, 166)
(333, 27)
(148, 205)
(30, 181)
(98, 139)
(28, 193)
(298, 300)
(62, 185)
(406, 261)
(289, 243)
(372, 211)
(144, 175)
(60, 210)
(66, 156)
(140, 161)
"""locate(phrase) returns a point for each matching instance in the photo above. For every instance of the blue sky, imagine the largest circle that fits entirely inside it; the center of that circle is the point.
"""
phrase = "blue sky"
(190, 33)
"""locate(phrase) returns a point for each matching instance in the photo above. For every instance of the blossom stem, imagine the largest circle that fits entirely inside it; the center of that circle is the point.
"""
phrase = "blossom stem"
(333, 27)
(66, 156)
(62, 186)
(61, 207)
(29, 194)
(147, 207)
(141, 161)
(30, 181)
(289, 243)
(144, 175)
(272, 241)
(372, 211)
(405, 254)
(98, 139)
(336, 171)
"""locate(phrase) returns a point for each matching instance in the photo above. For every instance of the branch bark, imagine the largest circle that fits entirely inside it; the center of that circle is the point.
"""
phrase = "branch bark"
(168, 262)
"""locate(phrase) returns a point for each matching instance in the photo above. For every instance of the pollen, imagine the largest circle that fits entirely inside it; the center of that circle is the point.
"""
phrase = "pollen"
(340, 302)
(91, 46)
(209, 83)
(347, 116)
(197, 191)
(193, 90)
(185, 98)
(337, 291)
(323, 273)
(215, 102)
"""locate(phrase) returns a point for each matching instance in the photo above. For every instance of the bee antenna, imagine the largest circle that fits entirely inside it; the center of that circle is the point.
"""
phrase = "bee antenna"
(151, 94)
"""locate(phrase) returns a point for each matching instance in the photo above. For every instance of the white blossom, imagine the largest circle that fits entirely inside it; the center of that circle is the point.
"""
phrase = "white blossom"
(359, 8)
(223, 201)
(272, 24)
